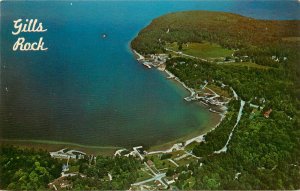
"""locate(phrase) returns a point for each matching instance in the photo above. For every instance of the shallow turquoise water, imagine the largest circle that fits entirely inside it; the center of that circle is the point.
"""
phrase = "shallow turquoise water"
(90, 90)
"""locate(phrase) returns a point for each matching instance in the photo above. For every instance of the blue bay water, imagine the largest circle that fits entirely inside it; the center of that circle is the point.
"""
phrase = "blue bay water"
(90, 90)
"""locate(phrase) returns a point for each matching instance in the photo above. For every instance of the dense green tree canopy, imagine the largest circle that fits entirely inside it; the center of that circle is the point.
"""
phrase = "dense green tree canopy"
(26, 169)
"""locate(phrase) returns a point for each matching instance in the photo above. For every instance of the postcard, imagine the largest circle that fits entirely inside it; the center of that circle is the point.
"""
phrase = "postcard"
(149, 95)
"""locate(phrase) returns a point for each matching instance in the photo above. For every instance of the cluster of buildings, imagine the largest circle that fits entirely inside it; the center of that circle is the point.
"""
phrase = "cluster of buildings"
(155, 60)
(67, 154)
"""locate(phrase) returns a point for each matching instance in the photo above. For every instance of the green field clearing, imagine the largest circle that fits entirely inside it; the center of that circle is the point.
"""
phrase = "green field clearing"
(219, 90)
(176, 154)
(202, 50)
(160, 164)
(247, 64)
(185, 161)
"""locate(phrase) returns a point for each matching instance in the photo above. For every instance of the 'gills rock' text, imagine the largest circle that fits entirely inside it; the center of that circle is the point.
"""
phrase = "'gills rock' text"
(28, 26)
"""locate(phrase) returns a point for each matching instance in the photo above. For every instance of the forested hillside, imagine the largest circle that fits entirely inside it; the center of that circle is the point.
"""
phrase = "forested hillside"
(259, 40)
(229, 30)
(264, 151)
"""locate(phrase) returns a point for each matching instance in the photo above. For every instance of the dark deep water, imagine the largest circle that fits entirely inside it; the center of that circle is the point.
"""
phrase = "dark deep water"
(90, 90)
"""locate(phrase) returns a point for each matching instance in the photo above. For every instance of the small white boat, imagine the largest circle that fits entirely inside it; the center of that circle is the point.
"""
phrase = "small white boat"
(104, 35)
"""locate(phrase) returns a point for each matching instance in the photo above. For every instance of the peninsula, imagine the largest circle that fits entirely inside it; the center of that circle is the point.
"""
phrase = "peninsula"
(248, 71)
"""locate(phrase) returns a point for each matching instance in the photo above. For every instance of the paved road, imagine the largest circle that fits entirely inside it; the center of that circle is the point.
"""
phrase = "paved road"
(180, 53)
(224, 149)
(157, 177)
